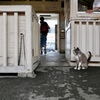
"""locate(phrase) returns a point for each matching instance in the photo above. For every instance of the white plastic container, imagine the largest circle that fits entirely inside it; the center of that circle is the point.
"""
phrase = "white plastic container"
(19, 40)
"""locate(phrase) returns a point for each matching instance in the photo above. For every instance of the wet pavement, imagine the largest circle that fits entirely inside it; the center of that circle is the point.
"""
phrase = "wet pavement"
(53, 82)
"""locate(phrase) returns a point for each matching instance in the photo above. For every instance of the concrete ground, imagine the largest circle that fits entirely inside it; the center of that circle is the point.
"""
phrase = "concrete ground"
(55, 80)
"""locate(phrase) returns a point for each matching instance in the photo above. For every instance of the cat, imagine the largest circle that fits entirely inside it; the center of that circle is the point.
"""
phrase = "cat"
(81, 59)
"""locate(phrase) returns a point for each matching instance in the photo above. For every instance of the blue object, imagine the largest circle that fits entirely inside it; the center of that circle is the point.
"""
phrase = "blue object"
(43, 40)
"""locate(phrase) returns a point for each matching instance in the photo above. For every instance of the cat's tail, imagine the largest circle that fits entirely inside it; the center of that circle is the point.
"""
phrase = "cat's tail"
(89, 56)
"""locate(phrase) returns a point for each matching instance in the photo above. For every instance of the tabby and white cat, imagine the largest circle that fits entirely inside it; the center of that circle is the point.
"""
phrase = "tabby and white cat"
(81, 59)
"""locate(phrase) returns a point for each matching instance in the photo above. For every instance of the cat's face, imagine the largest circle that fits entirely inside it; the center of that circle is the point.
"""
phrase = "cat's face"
(76, 51)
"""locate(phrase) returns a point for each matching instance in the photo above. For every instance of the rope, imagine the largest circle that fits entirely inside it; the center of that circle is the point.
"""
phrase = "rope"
(22, 41)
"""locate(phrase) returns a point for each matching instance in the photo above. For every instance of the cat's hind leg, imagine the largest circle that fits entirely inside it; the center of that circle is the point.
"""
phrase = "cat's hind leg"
(85, 66)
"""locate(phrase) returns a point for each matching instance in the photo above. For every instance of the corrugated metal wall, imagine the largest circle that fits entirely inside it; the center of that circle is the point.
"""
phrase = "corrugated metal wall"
(11, 37)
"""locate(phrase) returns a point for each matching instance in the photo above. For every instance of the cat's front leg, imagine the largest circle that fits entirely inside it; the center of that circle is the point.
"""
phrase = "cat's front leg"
(76, 65)
(79, 66)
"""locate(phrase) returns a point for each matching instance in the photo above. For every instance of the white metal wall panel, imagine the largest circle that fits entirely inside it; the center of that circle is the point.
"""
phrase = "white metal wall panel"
(68, 41)
(15, 20)
(22, 23)
(86, 36)
(90, 36)
(1, 40)
(10, 40)
(35, 45)
(36, 37)
(22, 29)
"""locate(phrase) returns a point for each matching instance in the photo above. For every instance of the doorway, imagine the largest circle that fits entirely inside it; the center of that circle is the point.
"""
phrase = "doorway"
(53, 35)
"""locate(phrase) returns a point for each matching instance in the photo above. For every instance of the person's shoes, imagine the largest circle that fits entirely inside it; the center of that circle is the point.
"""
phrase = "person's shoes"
(45, 52)
(41, 52)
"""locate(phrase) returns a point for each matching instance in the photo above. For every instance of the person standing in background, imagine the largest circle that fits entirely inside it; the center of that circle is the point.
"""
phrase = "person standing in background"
(96, 7)
(44, 29)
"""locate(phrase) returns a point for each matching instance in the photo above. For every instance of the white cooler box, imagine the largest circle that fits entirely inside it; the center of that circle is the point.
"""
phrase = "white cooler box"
(19, 40)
